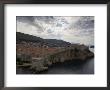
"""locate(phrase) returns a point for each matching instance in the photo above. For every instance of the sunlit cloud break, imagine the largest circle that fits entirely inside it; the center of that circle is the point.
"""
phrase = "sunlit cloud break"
(73, 29)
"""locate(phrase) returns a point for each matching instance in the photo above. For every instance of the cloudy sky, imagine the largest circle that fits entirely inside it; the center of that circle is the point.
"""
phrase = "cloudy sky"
(73, 29)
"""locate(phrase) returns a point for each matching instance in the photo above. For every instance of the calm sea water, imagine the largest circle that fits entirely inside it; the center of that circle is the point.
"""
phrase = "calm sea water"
(76, 67)
(71, 67)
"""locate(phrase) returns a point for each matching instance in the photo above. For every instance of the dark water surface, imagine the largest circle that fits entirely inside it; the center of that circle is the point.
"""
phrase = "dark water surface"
(72, 67)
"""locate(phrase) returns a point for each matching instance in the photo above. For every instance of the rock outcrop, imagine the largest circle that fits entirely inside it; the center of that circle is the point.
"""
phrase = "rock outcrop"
(77, 52)
(37, 54)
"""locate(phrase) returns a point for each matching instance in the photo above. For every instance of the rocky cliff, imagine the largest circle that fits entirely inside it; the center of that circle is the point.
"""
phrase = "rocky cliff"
(37, 54)
(78, 52)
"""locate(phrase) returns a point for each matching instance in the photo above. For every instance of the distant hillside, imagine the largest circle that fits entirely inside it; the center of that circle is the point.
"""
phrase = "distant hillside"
(49, 42)
(26, 37)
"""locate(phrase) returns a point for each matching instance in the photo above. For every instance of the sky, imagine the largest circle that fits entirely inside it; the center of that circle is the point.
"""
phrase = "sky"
(73, 29)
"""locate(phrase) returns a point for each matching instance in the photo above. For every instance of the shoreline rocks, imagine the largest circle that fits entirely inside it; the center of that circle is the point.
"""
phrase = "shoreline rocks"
(78, 52)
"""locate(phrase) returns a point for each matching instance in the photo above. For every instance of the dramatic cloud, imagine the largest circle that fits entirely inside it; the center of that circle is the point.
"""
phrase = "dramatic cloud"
(74, 29)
